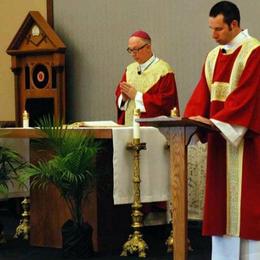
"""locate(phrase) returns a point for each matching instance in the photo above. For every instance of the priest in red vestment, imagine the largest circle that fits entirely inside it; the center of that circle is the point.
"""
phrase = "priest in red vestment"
(228, 97)
(147, 84)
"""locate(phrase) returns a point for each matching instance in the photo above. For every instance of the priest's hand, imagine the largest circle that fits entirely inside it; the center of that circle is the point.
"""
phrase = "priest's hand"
(202, 120)
(127, 90)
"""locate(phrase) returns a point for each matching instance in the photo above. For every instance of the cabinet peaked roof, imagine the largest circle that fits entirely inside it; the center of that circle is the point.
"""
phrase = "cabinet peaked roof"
(35, 35)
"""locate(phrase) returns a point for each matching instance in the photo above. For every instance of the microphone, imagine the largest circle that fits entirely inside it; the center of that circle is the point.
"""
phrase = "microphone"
(139, 72)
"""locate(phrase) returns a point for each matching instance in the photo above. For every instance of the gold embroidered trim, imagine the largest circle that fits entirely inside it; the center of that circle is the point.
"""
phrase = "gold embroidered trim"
(210, 65)
(219, 91)
(241, 60)
(234, 187)
(238, 67)
(143, 82)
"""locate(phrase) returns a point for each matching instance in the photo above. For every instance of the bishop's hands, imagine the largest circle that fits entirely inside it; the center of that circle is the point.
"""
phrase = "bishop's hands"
(127, 91)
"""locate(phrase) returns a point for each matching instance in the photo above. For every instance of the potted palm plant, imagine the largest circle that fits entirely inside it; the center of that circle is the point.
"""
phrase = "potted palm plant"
(72, 171)
(11, 163)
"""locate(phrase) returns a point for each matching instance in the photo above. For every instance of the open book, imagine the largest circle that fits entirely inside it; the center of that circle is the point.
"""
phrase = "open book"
(161, 121)
(107, 123)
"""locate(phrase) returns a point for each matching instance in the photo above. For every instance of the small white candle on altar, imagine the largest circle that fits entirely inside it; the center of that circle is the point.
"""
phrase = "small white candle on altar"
(25, 119)
(136, 125)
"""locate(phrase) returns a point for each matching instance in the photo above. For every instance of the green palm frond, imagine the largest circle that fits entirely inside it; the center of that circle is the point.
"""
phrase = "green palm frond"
(53, 131)
(3, 188)
(71, 169)
(10, 164)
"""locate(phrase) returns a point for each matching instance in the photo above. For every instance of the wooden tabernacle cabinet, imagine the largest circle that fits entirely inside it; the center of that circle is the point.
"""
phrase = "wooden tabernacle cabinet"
(38, 63)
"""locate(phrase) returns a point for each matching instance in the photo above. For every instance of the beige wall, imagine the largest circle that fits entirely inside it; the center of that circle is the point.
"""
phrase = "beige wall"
(13, 13)
(96, 33)
(192, 39)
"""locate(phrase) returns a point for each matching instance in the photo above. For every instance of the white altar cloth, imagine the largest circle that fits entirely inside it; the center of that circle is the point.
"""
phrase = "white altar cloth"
(154, 166)
(154, 170)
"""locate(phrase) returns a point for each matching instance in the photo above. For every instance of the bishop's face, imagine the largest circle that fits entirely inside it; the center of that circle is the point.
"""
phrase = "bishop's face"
(222, 33)
(139, 49)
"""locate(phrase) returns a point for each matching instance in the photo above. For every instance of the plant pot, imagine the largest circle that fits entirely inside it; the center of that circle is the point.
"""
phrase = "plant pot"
(77, 240)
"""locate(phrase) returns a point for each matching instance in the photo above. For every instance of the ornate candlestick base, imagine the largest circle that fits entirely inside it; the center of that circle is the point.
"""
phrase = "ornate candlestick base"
(23, 229)
(135, 243)
(169, 242)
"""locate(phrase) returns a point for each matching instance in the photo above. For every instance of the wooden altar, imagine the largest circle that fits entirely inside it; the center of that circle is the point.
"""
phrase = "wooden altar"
(49, 211)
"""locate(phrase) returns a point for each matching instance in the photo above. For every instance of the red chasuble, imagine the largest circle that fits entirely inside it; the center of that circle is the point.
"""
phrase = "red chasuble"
(229, 91)
(157, 83)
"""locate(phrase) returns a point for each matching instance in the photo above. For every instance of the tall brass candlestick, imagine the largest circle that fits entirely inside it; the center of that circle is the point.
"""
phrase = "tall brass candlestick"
(135, 243)
(23, 229)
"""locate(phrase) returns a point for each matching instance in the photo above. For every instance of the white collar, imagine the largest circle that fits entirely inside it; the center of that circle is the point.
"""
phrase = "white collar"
(237, 41)
(148, 63)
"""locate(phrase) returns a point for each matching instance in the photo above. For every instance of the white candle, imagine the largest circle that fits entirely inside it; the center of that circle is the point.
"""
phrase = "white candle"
(136, 125)
(25, 119)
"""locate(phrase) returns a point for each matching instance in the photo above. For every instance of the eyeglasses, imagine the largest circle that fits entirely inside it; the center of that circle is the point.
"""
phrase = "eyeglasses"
(135, 50)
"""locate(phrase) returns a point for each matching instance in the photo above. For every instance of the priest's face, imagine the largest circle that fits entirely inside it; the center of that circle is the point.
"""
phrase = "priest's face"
(139, 49)
(222, 33)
